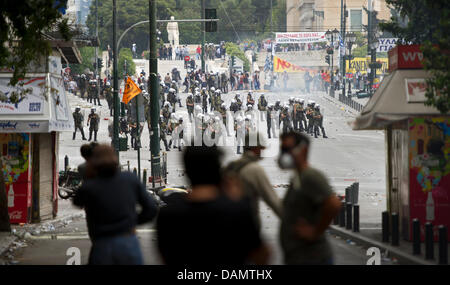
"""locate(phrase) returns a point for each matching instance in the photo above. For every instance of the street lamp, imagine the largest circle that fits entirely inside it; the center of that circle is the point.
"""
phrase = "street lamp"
(351, 39)
(373, 64)
(330, 35)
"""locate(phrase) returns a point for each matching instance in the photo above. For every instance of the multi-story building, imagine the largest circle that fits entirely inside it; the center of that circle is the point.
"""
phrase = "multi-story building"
(77, 11)
(322, 15)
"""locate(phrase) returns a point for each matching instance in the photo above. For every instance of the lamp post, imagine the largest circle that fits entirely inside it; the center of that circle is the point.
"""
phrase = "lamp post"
(373, 64)
(351, 39)
(331, 37)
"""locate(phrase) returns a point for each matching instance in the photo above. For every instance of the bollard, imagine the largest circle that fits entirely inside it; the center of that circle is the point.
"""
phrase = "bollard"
(348, 212)
(443, 245)
(342, 215)
(385, 226)
(66, 163)
(355, 192)
(135, 171)
(128, 163)
(144, 177)
(356, 218)
(395, 229)
(348, 195)
(416, 236)
(336, 220)
(429, 242)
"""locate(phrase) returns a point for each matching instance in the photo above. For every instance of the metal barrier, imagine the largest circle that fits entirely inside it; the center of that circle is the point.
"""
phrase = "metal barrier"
(350, 102)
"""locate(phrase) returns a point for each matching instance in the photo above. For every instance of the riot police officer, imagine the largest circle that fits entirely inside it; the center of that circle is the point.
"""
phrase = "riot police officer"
(93, 122)
(78, 120)
(318, 122)
(107, 91)
(262, 106)
(163, 131)
(190, 106)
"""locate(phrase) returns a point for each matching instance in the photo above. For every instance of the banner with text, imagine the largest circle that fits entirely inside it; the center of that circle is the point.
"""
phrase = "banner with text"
(300, 37)
(362, 65)
(280, 65)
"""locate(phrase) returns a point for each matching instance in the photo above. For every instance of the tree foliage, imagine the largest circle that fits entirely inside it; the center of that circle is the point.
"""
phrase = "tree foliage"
(428, 23)
(88, 58)
(22, 25)
(126, 61)
(234, 50)
(239, 20)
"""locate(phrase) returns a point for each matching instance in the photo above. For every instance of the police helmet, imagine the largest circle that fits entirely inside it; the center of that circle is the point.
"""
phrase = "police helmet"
(189, 95)
(108, 83)
(171, 90)
(212, 88)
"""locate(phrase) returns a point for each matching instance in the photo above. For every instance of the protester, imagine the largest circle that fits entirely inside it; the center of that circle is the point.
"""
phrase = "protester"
(110, 200)
(208, 227)
(255, 182)
(308, 207)
(86, 151)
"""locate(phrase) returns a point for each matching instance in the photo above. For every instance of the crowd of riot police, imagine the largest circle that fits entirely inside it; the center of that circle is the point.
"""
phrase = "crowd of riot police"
(206, 110)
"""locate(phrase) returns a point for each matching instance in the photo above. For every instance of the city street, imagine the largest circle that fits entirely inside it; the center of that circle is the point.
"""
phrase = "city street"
(345, 157)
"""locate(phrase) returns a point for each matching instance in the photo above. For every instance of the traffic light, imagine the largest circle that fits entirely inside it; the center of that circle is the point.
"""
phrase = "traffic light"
(327, 59)
(100, 62)
(210, 27)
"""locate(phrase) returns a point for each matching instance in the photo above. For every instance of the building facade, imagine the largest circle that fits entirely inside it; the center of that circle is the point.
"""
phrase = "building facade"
(77, 11)
(323, 15)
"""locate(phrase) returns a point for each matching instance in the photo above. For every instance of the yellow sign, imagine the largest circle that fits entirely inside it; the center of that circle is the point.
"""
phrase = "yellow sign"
(131, 91)
(280, 65)
(361, 64)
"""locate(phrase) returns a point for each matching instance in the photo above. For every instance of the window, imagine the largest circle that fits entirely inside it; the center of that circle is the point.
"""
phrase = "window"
(355, 20)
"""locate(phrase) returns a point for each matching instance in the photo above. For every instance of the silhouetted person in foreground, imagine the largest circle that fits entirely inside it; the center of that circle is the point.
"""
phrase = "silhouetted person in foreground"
(207, 226)
(110, 199)
(86, 151)
(308, 207)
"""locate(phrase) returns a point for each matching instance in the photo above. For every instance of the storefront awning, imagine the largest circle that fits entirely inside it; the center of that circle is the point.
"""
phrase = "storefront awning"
(401, 95)
(43, 109)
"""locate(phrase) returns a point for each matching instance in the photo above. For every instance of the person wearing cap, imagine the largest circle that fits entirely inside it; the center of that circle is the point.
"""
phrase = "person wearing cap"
(78, 120)
(254, 181)
(93, 122)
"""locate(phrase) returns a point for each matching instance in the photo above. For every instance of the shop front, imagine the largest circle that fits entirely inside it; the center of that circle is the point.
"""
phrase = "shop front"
(31, 116)
(417, 143)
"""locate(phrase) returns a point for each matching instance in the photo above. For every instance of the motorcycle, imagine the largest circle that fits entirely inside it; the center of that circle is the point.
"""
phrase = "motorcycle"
(68, 182)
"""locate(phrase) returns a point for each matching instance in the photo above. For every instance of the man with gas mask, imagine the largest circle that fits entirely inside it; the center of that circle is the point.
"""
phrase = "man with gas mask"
(308, 206)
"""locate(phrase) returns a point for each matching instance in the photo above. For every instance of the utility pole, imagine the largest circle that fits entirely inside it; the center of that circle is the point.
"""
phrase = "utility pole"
(203, 35)
(344, 20)
(154, 95)
(369, 44)
(96, 50)
(115, 84)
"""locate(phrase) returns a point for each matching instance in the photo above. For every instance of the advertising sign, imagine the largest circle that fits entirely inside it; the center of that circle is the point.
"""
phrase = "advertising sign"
(59, 96)
(415, 89)
(429, 171)
(361, 64)
(22, 99)
(17, 174)
(386, 44)
(300, 37)
(405, 57)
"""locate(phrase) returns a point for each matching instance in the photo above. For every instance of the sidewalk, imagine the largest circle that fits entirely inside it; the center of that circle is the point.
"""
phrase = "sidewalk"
(10, 242)
(401, 254)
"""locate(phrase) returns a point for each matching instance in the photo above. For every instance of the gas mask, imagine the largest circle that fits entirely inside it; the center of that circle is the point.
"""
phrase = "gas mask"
(286, 159)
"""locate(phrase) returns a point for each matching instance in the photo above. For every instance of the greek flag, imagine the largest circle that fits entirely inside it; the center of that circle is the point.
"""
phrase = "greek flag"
(341, 42)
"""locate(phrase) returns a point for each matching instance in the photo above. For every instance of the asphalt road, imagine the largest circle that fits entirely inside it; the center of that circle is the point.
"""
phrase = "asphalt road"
(346, 156)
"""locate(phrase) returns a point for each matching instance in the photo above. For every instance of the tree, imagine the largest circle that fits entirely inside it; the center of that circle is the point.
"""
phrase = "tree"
(22, 27)
(88, 57)
(125, 54)
(234, 50)
(427, 24)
